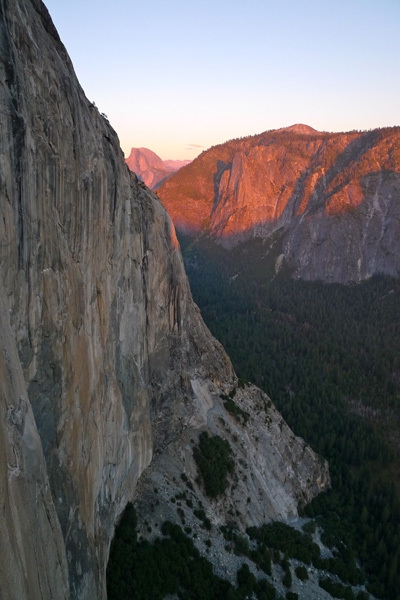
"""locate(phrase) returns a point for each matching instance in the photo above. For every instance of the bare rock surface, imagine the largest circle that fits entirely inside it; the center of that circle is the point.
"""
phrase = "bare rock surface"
(274, 471)
(150, 168)
(106, 366)
(33, 563)
(333, 198)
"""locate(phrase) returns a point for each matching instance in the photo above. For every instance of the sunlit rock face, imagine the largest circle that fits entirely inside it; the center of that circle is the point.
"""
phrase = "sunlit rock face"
(104, 356)
(150, 168)
(334, 198)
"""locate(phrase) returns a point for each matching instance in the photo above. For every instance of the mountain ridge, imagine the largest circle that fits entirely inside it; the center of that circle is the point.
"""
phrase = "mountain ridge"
(300, 128)
(333, 197)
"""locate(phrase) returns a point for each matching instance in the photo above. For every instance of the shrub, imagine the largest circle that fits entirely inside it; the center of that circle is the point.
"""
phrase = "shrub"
(265, 590)
(301, 573)
(288, 540)
(336, 589)
(246, 580)
(262, 558)
(241, 545)
(214, 460)
(201, 515)
(287, 579)
(240, 415)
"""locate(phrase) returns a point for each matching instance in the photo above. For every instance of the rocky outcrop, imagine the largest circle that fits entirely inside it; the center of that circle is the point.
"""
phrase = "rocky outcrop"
(275, 472)
(149, 167)
(105, 361)
(333, 198)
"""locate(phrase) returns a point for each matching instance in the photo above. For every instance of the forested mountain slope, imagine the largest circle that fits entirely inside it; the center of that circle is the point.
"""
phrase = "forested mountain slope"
(329, 356)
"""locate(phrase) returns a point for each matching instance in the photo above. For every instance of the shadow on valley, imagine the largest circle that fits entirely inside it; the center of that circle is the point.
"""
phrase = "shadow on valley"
(329, 357)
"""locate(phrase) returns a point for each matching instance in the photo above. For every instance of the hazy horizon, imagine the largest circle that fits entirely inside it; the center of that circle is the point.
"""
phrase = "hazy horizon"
(178, 78)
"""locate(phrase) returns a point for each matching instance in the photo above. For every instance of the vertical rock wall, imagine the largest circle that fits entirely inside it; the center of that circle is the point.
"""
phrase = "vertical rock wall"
(33, 563)
(100, 339)
(94, 287)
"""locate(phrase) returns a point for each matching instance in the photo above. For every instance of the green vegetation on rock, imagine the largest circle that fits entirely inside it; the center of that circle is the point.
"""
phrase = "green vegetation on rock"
(291, 542)
(242, 416)
(170, 565)
(214, 460)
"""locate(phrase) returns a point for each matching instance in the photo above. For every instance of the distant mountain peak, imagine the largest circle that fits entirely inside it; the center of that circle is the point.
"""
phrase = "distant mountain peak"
(300, 128)
(175, 165)
(150, 168)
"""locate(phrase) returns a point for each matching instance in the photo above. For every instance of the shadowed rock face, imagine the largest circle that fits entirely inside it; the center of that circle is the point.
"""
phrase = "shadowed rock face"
(333, 197)
(105, 361)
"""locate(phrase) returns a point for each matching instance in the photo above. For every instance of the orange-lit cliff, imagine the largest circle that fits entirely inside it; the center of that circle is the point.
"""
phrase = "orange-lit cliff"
(335, 198)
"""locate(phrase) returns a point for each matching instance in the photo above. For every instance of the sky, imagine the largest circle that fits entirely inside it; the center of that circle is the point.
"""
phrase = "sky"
(178, 76)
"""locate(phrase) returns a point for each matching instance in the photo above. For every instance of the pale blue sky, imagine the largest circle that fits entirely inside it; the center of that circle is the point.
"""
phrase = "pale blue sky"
(180, 76)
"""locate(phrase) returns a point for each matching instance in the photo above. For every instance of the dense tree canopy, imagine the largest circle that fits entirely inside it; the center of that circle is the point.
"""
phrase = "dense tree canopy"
(329, 357)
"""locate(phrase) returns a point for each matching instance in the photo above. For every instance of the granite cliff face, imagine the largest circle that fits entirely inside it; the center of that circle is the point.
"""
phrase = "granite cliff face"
(105, 362)
(149, 167)
(333, 198)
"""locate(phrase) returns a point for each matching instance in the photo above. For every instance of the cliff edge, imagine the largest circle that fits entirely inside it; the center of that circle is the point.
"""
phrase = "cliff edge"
(105, 361)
